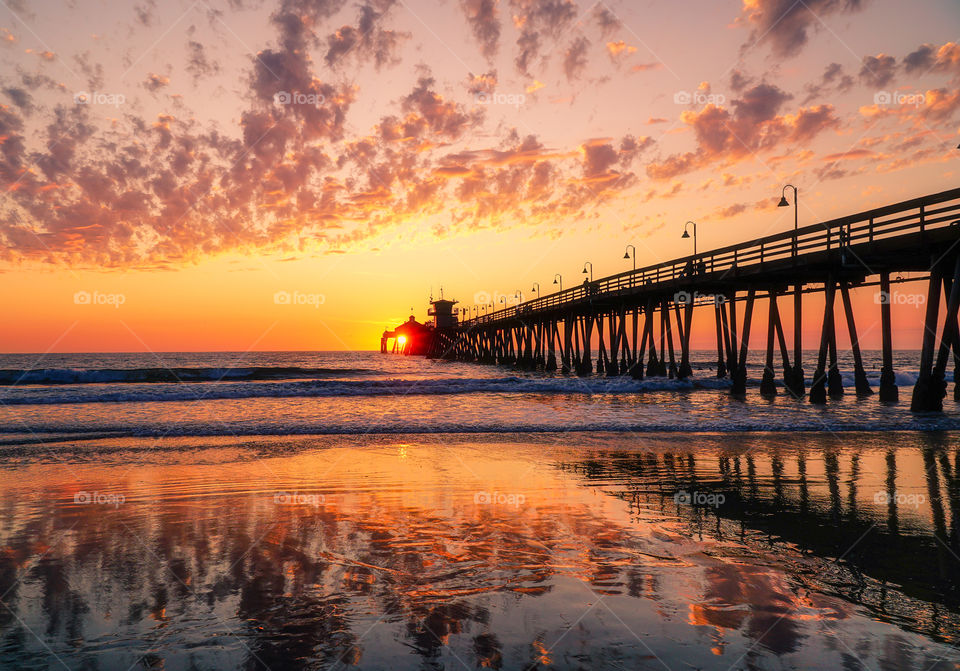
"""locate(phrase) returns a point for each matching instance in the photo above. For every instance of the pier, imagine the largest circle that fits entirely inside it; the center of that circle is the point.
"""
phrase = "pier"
(640, 320)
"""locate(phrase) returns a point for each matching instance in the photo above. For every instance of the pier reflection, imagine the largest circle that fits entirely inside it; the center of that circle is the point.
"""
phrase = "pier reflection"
(883, 539)
(400, 563)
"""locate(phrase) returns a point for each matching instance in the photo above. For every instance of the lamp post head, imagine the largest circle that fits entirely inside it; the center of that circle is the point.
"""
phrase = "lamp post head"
(584, 270)
(685, 234)
(783, 202)
(626, 255)
(554, 280)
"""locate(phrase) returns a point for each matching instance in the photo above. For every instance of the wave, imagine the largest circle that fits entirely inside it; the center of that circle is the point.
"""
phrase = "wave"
(64, 376)
(335, 388)
(65, 434)
(319, 388)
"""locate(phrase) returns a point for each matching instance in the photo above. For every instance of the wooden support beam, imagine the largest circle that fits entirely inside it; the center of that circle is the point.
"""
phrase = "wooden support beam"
(602, 360)
(784, 353)
(553, 335)
(834, 380)
(732, 325)
(626, 356)
(577, 358)
(947, 338)
(636, 370)
(613, 330)
(586, 363)
(685, 369)
(727, 337)
(859, 374)
(924, 391)
(665, 313)
(818, 390)
(768, 385)
(653, 364)
(721, 359)
(797, 381)
(889, 393)
(740, 379)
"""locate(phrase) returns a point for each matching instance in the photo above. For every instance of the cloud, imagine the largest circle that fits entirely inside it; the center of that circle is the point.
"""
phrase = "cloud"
(144, 12)
(739, 81)
(878, 71)
(755, 125)
(483, 83)
(538, 19)
(937, 107)
(155, 82)
(607, 20)
(575, 59)
(731, 211)
(368, 41)
(833, 81)
(198, 64)
(618, 49)
(484, 24)
(785, 25)
(433, 114)
(930, 58)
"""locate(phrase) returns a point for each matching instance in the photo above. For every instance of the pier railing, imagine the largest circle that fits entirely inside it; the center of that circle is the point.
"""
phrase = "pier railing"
(915, 216)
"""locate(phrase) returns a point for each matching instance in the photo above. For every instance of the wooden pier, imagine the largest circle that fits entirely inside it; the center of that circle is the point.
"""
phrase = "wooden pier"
(640, 320)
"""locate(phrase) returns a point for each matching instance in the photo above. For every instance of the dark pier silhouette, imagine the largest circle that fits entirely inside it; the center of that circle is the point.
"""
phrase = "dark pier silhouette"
(628, 313)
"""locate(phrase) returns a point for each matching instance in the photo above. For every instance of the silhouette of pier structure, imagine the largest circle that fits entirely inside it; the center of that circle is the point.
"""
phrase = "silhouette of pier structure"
(625, 315)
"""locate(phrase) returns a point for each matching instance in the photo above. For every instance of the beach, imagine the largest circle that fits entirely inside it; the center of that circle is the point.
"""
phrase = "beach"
(310, 543)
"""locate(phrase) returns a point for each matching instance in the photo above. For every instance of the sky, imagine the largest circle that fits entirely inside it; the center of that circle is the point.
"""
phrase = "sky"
(301, 174)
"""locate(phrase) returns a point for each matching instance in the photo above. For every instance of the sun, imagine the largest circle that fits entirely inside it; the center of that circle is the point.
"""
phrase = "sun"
(402, 340)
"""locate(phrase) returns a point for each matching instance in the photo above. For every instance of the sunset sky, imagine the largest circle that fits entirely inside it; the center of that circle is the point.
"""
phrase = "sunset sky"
(182, 163)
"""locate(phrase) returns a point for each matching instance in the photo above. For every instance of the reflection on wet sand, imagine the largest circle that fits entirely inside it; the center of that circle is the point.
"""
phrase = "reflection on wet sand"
(554, 552)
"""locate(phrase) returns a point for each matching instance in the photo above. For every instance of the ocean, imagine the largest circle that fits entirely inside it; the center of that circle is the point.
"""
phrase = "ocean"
(281, 393)
(330, 510)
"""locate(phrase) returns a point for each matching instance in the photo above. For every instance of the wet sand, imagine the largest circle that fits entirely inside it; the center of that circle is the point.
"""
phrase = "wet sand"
(511, 552)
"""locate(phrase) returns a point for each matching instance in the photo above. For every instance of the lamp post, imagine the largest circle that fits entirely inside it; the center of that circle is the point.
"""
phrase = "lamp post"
(536, 287)
(626, 255)
(518, 295)
(785, 203)
(558, 278)
(587, 263)
(686, 234)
